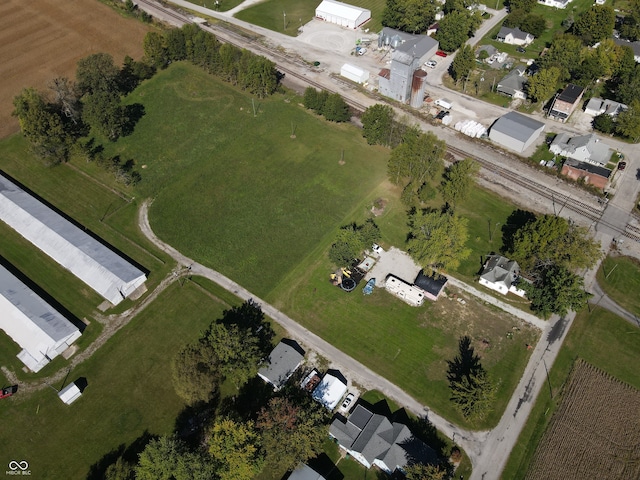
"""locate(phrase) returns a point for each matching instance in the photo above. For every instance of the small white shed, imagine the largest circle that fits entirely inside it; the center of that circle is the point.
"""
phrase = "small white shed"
(342, 14)
(70, 393)
(353, 73)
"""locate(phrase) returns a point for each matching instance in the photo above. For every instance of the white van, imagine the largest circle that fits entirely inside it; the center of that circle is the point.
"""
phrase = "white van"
(444, 103)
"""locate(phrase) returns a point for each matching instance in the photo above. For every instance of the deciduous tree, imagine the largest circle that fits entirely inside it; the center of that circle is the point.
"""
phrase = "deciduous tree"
(595, 24)
(543, 84)
(377, 122)
(195, 374)
(463, 63)
(168, 458)
(411, 16)
(420, 471)
(235, 449)
(628, 122)
(97, 73)
(556, 290)
(457, 182)
(455, 29)
(104, 112)
(418, 158)
(437, 240)
(335, 109)
(351, 240)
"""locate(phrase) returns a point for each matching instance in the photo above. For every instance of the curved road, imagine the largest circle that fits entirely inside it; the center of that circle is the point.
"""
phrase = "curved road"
(600, 298)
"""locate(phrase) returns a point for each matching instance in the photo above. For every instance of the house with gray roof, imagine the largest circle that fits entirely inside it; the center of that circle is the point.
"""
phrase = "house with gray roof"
(409, 52)
(502, 275)
(513, 84)
(98, 266)
(584, 148)
(635, 46)
(597, 106)
(283, 361)
(514, 36)
(515, 131)
(372, 439)
(40, 330)
(305, 472)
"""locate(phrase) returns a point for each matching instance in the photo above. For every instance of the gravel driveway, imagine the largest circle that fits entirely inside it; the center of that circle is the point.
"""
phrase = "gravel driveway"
(393, 261)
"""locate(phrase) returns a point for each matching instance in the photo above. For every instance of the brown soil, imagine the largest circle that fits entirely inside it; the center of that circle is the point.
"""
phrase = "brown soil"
(43, 39)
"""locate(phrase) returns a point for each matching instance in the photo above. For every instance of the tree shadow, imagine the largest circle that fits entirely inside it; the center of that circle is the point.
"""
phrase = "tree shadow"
(323, 465)
(128, 453)
(249, 317)
(465, 364)
(516, 220)
(134, 113)
(192, 421)
(249, 400)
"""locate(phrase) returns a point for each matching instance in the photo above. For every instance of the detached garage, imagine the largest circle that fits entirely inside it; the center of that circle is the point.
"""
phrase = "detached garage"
(353, 73)
(342, 14)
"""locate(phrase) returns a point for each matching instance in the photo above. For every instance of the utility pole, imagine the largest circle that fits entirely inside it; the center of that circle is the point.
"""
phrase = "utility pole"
(284, 20)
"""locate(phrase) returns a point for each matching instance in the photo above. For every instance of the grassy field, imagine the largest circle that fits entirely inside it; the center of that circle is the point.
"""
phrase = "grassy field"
(269, 14)
(600, 338)
(619, 277)
(129, 391)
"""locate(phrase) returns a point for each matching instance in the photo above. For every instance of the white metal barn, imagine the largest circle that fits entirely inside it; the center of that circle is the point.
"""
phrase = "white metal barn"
(342, 14)
(99, 267)
(353, 73)
(70, 393)
(41, 331)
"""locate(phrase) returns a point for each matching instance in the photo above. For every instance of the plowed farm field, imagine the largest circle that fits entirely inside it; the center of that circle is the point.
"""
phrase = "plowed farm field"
(43, 39)
(595, 433)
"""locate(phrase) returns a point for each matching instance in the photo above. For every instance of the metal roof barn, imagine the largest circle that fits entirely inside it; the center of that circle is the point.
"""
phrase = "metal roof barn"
(342, 14)
(353, 73)
(515, 131)
(41, 331)
(99, 267)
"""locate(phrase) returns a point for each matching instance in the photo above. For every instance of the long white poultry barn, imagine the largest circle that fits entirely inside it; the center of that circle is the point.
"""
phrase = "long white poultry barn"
(99, 267)
(342, 14)
(40, 330)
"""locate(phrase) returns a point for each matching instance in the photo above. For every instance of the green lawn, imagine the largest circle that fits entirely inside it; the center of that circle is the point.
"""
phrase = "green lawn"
(129, 391)
(602, 339)
(619, 277)
(269, 14)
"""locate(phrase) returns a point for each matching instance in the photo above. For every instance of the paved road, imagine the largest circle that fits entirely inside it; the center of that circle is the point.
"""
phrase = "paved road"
(354, 370)
(601, 299)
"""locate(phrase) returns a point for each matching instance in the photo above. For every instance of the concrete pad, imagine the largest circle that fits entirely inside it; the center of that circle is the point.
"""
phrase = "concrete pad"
(394, 262)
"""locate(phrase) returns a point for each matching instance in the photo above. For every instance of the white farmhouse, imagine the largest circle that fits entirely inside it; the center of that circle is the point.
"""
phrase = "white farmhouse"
(502, 275)
(514, 36)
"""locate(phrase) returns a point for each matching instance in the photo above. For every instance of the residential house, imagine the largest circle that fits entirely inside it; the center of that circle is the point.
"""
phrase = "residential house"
(514, 36)
(409, 52)
(331, 389)
(305, 472)
(597, 106)
(515, 131)
(372, 439)
(490, 49)
(283, 361)
(502, 275)
(513, 84)
(432, 285)
(566, 102)
(591, 174)
(635, 46)
(584, 148)
(555, 3)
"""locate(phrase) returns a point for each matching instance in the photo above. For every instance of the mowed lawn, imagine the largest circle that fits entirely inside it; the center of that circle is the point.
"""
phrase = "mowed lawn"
(619, 277)
(269, 14)
(235, 191)
(129, 391)
(602, 339)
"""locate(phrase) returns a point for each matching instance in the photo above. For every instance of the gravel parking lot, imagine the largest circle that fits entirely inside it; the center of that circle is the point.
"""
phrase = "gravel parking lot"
(395, 262)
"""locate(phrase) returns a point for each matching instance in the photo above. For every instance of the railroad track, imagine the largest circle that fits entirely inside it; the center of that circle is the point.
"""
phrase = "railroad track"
(282, 61)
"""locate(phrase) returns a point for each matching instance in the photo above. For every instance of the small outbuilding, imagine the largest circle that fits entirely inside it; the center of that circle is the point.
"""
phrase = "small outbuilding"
(331, 389)
(283, 361)
(342, 14)
(432, 285)
(515, 131)
(70, 393)
(305, 472)
(353, 73)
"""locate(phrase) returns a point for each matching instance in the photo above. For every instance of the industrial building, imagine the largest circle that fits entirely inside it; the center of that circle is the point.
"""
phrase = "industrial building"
(353, 73)
(404, 81)
(515, 131)
(342, 14)
(106, 272)
(39, 329)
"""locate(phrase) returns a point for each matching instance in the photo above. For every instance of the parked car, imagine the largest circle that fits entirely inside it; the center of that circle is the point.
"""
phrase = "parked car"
(8, 391)
(431, 64)
(361, 50)
(441, 53)
(622, 166)
(521, 50)
(347, 402)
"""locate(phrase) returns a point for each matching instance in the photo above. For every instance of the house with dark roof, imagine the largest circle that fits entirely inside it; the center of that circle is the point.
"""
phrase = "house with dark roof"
(515, 131)
(566, 102)
(502, 275)
(514, 36)
(432, 286)
(513, 84)
(373, 439)
(409, 52)
(283, 361)
(591, 174)
(584, 148)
